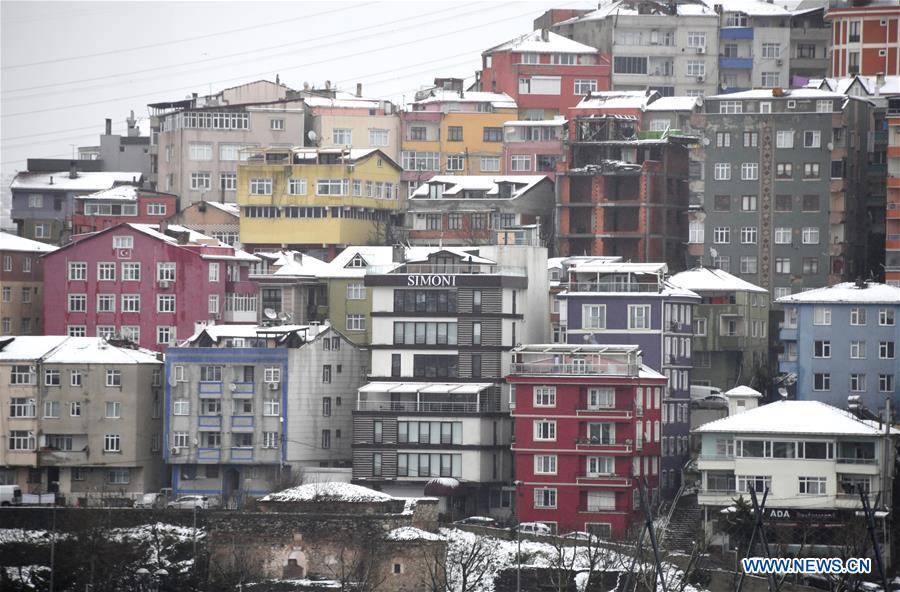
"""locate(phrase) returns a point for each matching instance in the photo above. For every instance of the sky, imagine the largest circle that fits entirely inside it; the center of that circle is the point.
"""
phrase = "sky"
(67, 66)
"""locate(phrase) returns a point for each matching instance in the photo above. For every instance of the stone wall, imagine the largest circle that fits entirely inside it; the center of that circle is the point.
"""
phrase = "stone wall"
(73, 519)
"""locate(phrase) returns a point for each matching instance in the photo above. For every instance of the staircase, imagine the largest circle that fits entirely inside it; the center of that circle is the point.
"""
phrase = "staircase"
(685, 523)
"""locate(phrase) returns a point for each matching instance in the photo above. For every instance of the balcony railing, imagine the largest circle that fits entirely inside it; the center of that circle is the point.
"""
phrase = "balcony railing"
(424, 406)
(209, 421)
(609, 412)
(630, 287)
(208, 387)
(242, 422)
(242, 455)
(447, 269)
(610, 446)
(239, 389)
(857, 461)
(209, 454)
(576, 369)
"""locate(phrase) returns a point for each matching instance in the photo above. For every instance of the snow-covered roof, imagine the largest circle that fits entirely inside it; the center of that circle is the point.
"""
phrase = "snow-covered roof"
(849, 292)
(648, 372)
(792, 417)
(372, 255)
(670, 290)
(618, 99)
(749, 7)
(228, 208)
(706, 279)
(12, 242)
(743, 391)
(96, 350)
(293, 263)
(621, 267)
(118, 193)
(28, 347)
(613, 8)
(217, 332)
(533, 42)
(90, 181)
(890, 85)
(468, 254)
(331, 491)
(488, 183)
(444, 388)
(354, 154)
(343, 99)
(536, 122)
(766, 93)
(411, 533)
(674, 104)
(440, 95)
(197, 238)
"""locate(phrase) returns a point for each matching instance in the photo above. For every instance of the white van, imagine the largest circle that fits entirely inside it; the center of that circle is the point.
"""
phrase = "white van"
(699, 393)
(10, 495)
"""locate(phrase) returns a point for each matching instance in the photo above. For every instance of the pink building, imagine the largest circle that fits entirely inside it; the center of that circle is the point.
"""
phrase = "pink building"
(533, 147)
(148, 284)
(122, 203)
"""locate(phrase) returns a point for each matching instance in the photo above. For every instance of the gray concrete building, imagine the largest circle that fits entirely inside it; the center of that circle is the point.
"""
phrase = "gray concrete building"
(129, 152)
(784, 174)
(248, 408)
(754, 44)
(810, 42)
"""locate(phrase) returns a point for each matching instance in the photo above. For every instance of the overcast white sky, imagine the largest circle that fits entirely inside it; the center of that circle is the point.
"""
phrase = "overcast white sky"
(66, 66)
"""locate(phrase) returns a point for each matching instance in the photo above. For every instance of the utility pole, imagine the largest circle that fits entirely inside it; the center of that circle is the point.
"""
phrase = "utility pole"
(760, 527)
(648, 526)
(53, 545)
(870, 523)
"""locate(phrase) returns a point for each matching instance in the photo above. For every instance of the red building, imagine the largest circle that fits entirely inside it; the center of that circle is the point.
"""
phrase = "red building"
(123, 203)
(587, 429)
(865, 38)
(546, 74)
(144, 283)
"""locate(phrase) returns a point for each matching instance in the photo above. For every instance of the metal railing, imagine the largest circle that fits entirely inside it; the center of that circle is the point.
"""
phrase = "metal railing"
(574, 369)
(424, 406)
(447, 269)
(242, 454)
(630, 287)
(857, 461)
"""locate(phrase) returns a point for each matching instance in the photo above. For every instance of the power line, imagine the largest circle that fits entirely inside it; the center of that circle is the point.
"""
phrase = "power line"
(236, 54)
(183, 40)
(266, 72)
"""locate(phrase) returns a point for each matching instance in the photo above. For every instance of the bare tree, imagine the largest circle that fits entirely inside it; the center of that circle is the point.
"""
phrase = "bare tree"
(467, 563)
(357, 564)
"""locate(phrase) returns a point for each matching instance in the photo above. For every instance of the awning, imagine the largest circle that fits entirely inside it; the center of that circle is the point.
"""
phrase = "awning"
(443, 486)
(464, 388)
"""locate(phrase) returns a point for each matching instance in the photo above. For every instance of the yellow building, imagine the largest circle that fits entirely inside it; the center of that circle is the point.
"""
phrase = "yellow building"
(454, 132)
(317, 200)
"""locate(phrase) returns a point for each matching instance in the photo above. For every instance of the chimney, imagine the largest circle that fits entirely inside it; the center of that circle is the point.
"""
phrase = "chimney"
(108, 127)
(73, 170)
(545, 34)
(359, 89)
(163, 226)
(398, 254)
(183, 238)
(327, 85)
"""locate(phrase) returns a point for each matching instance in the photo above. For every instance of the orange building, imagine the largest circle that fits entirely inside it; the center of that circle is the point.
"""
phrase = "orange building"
(865, 39)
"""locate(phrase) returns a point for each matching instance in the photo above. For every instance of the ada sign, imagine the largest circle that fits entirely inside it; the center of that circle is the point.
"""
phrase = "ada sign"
(431, 280)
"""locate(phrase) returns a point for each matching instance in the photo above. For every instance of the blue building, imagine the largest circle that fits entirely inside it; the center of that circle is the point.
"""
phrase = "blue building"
(613, 303)
(841, 341)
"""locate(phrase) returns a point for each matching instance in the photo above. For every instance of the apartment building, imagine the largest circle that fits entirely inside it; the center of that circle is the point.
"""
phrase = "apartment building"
(467, 210)
(533, 147)
(810, 45)
(220, 220)
(892, 211)
(82, 418)
(620, 195)
(665, 46)
(341, 119)
(865, 38)
(444, 321)
(731, 329)
(43, 203)
(118, 152)
(198, 142)
(290, 287)
(813, 459)
(317, 200)
(614, 303)
(783, 206)
(248, 405)
(121, 204)
(21, 285)
(544, 72)
(452, 131)
(842, 340)
(754, 45)
(147, 284)
(587, 432)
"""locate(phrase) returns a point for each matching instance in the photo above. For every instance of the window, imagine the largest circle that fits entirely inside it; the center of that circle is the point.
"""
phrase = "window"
(823, 106)
(228, 181)
(751, 139)
(490, 164)
(593, 316)
(750, 171)
(342, 136)
(722, 235)
(201, 181)
(629, 65)
(77, 303)
(356, 322)
(164, 334)
(77, 271)
(748, 264)
(74, 330)
(730, 107)
(200, 151)
(783, 235)
(811, 170)
(600, 465)
(455, 133)
(545, 464)
(810, 235)
(114, 409)
(696, 39)
(326, 373)
(748, 203)
(696, 232)
(639, 316)
(784, 139)
(21, 440)
(770, 79)
(271, 408)
(723, 139)
(545, 396)
(857, 383)
(821, 315)
(131, 303)
(812, 139)
(748, 235)
(51, 409)
(810, 203)
(857, 350)
(296, 186)
(276, 125)
(886, 317)
(601, 398)
(822, 349)
(722, 171)
(112, 443)
(181, 407)
(493, 134)
(783, 265)
(565, 59)
(332, 186)
(520, 163)
(886, 383)
(456, 162)
(584, 87)
(812, 485)
(857, 316)
(261, 186)
(545, 430)
(165, 272)
(379, 137)
(545, 498)
(821, 381)
(886, 350)
(696, 68)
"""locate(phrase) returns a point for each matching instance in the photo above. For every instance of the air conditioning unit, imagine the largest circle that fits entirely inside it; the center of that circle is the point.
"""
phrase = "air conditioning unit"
(214, 316)
(701, 78)
(175, 451)
(350, 167)
(701, 49)
(232, 387)
(273, 386)
(779, 62)
(163, 284)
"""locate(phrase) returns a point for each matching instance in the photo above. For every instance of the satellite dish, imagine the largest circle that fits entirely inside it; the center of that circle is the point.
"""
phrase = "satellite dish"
(705, 141)
(782, 392)
(283, 316)
(714, 252)
(270, 314)
(312, 135)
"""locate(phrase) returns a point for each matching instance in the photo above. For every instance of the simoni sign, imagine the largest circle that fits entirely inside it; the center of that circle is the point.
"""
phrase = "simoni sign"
(431, 280)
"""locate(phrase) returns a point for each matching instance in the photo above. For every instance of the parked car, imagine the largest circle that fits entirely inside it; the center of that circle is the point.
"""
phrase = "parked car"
(10, 495)
(534, 528)
(189, 502)
(579, 535)
(152, 500)
(478, 521)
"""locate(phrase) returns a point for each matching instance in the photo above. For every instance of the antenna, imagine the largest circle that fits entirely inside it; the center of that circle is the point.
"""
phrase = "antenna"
(270, 314)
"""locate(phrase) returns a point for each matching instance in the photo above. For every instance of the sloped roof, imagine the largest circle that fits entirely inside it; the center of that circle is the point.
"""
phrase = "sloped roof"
(612, 8)
(229, 208)
(766, 93)
(749, 7)
(848, 292)
(85, 181)
(439, 95)
(218, 332)
(12, 242)
(743, 391)
(533, 42)
(618, 99)
(28, 347)
(119, 192)
(703, 279)
(459, 183)
(96, 350)
(372, 255)
(674, 104)
(792, 417)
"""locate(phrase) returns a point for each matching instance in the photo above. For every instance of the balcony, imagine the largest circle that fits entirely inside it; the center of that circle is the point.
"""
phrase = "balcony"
(736, 33)
(242, 390)
(209, 389)
(446, 407)
(242, 423)
(735, 63)
(573, 369)
(616, 287)
(209, 455)
(892, 210)
(599, 445)
(241, 455)
(605, 481)
(211, 423)
(857, 466)
(608, 413)
(52, 458)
